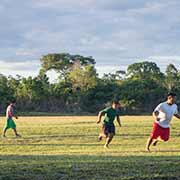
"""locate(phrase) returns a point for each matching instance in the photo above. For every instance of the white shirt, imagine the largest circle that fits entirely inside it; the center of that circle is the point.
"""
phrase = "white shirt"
(166, 112)
(9, 111)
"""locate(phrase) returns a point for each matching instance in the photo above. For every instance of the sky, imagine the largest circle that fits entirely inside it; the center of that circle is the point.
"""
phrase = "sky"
(116, 33)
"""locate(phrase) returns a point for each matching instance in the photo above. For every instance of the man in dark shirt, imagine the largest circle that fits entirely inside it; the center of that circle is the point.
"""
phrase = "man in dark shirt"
(108, 129)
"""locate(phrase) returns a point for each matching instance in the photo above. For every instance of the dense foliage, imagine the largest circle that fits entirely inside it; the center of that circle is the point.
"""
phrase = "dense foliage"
(79, 89)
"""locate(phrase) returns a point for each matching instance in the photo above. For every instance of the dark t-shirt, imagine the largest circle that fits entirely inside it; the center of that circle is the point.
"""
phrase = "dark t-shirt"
(110, 115)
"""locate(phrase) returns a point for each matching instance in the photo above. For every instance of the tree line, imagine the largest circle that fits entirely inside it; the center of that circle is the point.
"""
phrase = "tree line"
(80, 90)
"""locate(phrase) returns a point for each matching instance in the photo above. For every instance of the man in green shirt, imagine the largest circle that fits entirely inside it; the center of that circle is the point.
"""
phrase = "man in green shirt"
(108, 129)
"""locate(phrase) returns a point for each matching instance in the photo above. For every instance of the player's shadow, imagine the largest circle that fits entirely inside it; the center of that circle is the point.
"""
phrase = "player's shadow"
(114, 147)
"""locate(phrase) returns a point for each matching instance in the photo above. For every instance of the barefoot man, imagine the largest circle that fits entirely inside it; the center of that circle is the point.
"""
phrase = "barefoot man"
(163, 114)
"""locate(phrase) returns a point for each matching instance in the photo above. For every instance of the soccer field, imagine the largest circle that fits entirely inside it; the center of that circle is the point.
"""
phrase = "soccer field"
(67, 148)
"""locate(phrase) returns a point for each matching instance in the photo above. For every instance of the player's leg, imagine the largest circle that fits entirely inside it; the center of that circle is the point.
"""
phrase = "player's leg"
(7, 126)
(165, 135)
(108, 140)
(103, 133)
(148, 144)
(4, 131)
(155, 142)
(101, 136)
(111, 133)
(12, 125)
(16, 133)
(155, 133)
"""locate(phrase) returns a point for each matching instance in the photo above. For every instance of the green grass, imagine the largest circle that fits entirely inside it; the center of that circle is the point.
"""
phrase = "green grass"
(67, 148)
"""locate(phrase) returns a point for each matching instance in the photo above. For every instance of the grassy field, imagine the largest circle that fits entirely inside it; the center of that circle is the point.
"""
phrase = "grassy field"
(67, 148)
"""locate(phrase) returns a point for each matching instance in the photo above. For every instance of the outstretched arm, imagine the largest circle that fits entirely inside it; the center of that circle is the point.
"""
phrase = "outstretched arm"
(119, 121)
(99, 117)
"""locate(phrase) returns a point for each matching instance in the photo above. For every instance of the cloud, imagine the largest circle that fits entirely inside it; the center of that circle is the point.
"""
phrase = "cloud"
(28, 68)
(116, 33)
(164, 61)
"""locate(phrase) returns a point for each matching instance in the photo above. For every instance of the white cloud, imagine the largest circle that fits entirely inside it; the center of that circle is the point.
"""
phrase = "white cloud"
(164, 61)
(113, 32)
(28, 68)
(25, 52)
(109, 68)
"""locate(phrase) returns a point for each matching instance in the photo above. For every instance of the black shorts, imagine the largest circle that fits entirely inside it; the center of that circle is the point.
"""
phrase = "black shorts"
(108, 129)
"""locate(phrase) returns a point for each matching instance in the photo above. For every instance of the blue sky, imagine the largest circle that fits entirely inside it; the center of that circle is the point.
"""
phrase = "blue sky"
(115, 32)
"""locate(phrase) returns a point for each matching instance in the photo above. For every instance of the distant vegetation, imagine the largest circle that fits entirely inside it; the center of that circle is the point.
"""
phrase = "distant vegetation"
(79, 89)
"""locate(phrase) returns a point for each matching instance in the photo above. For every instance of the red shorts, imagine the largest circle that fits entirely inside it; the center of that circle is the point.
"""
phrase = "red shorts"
(160, 132)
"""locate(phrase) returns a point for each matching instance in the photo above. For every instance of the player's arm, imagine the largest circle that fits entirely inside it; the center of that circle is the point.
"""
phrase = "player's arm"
(119, 121)
(177, 116)
(14, 114)
(99, 117)
(101, 113)
(155, 115)
(156, 112)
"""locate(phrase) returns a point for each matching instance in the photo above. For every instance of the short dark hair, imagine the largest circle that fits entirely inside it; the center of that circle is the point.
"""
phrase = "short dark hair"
(171, 94)
(13, 101)
(115, 102)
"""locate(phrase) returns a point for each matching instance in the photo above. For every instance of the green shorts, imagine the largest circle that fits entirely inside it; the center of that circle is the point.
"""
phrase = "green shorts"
(10, 124)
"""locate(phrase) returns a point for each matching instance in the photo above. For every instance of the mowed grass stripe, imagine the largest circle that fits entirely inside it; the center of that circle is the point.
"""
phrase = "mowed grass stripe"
(67, 148)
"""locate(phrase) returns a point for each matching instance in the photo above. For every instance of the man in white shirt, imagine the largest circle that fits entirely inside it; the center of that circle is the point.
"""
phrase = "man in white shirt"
(163, 115)
(10, 113)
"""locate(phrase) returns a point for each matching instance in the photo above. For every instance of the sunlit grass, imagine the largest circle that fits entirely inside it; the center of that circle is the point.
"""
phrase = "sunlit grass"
(67, 148)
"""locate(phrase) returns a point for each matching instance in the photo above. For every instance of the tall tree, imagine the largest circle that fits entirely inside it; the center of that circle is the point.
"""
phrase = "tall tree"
(141, 95)
(118, 75)
(144, 70)
(5, 92)
(63, 62)
(83, 78)
(171, 77)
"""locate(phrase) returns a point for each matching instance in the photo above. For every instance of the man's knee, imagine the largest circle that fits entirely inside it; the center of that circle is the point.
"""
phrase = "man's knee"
(111, 135)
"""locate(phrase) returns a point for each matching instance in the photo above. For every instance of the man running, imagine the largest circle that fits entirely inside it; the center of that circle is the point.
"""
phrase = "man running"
(108, 129)
(163, 115)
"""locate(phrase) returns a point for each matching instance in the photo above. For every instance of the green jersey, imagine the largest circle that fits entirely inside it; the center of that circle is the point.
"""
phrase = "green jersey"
(110, 115)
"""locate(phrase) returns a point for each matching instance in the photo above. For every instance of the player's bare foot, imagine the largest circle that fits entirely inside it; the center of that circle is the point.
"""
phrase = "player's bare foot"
(106, 146)
(148, 149)
(18, 135)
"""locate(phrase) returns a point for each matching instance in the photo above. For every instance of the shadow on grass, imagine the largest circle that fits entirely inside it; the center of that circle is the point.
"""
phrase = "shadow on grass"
(86, 167)
(89, 145)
